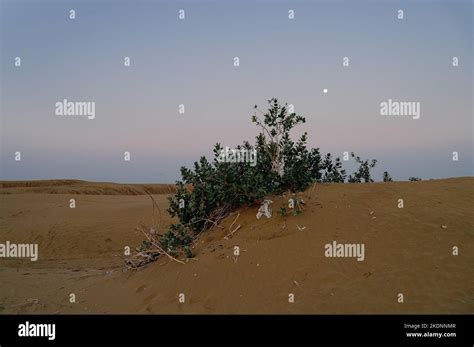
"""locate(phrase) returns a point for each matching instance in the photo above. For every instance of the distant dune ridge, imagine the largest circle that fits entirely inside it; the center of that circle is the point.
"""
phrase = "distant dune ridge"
(408, 250)
(82, 187)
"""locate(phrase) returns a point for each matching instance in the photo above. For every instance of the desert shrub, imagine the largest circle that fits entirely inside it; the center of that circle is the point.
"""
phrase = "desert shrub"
(292, 166)
(363, 172)
(220, 187)
(387, 177)
(211, 190)
(414, 179)
(332, 170)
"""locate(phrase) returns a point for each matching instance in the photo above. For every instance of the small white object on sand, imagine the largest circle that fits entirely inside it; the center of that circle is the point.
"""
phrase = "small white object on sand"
(265, 209)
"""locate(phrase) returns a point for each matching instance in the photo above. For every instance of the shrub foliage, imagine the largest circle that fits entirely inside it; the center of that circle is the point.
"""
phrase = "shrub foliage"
(210, 190)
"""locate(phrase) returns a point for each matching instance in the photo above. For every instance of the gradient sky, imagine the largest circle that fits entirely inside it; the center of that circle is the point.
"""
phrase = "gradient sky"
(191, 62)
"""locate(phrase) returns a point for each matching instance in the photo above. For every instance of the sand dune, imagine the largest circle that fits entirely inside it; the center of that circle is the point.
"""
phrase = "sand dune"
(82, 187)
(406, 251)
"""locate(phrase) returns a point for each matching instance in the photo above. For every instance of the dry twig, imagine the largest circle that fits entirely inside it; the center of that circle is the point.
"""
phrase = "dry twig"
(230, 227)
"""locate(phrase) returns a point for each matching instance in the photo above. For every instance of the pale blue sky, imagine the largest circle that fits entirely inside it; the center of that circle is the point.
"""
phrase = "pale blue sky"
(191, 62)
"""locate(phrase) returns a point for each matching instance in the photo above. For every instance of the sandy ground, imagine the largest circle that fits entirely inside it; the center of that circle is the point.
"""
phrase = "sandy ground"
(406, 251)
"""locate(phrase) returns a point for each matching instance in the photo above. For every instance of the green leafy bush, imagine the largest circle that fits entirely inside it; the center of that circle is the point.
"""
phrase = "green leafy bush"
(333, 172)
(209, 191)
(363, 173)
(387, 177)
